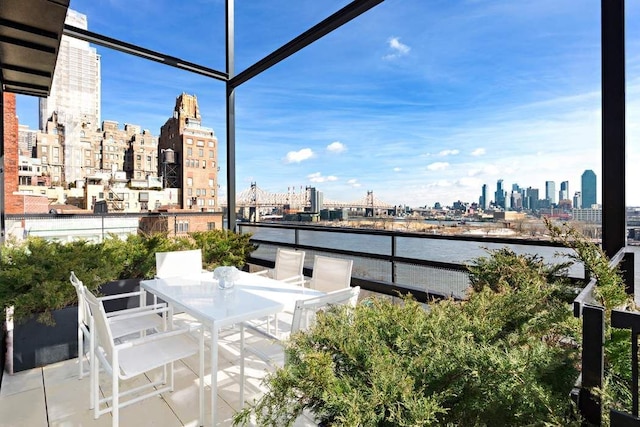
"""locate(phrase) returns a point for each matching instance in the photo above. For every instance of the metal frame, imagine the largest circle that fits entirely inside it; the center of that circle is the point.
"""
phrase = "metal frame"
(613, 99)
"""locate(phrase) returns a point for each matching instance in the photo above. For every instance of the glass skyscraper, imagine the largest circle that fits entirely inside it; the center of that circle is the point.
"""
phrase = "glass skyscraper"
(588, 189)
(550, 191)
(75, 95)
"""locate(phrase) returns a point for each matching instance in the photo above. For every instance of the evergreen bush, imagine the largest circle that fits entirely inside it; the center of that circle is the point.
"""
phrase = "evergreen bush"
(509, 354)
(34, 273)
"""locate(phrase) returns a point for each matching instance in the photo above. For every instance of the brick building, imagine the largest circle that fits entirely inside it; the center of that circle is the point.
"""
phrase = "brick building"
(193, 161)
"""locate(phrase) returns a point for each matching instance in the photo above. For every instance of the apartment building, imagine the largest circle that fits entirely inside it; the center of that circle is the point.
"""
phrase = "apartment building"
(188, 157)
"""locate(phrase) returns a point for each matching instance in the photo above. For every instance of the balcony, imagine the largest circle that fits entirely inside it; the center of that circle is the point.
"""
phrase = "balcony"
(380, 272)
(54, 396)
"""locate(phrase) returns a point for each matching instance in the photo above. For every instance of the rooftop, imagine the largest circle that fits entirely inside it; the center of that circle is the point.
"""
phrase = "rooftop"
(54, 396)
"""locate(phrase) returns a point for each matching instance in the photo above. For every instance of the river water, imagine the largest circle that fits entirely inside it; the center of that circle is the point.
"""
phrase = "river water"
(423, 278)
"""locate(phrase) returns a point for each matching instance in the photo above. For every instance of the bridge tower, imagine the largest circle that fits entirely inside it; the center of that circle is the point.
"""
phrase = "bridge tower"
(368, 212)
(253, 200)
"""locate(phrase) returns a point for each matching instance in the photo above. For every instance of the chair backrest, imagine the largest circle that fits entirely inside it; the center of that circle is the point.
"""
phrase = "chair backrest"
(178, 263)
(305, 310)
(100, 323)
(331, 274)
(83, 314)
(289, 264)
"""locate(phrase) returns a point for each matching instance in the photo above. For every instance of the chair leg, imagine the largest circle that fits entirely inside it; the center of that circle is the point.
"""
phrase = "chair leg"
(93, 375)
(171, 376)
(115, 401)
(95, 372)
(80, 353)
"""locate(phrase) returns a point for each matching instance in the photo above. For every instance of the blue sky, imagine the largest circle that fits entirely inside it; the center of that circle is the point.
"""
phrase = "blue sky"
(420, 101)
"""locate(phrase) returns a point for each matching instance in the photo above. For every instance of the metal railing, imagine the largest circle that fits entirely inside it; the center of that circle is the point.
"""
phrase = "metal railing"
(96, 227)
(429, 266)
(593, 316)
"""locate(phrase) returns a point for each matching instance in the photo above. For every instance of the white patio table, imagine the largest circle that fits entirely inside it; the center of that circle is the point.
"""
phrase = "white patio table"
(252, 297)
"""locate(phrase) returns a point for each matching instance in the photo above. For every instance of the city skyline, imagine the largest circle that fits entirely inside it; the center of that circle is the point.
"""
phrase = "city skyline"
(418, 101)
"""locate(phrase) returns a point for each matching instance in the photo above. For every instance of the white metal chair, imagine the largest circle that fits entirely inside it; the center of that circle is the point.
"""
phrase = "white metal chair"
(136, 357)
(289, 265)
(178, 263)
(330, 274)
(138, 320)
(288, 268)
(270, 350)
(306, 309)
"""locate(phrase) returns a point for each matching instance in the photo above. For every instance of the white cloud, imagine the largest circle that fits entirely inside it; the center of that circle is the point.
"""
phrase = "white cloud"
(354, 183)
(397, 49)
(299, 156)
(336, 147)
(317, 177)
(479, 152)
(397, 169)
(438, 166)
(449, 152)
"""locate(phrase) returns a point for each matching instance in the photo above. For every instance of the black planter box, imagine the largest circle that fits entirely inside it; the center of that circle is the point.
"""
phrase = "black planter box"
(36, 344)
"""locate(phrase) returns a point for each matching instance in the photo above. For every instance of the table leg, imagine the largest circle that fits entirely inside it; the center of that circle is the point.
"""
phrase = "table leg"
(214, 373)
(201, 375)
(242, 361)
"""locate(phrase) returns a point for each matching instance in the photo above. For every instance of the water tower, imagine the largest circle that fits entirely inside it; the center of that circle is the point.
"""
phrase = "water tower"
(169, 169)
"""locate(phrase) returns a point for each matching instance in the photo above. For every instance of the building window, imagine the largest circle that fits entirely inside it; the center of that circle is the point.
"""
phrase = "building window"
(211, 202)
(211, 226)
(200, 152)
(189, 192)
(189, 151)
(189, 182)
(211, 183)
(200, 143)
(213, 193)
(182, 226)
(44, 149)
(138, 157)
(211, 154)
(211, 144)
(189, 141)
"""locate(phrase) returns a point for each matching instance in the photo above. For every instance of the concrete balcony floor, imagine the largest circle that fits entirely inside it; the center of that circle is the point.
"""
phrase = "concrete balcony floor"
(54, 395)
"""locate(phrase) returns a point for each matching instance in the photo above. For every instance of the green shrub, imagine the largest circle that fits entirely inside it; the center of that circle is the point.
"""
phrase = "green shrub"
(504, 356)
(34, 273)
(507, 355)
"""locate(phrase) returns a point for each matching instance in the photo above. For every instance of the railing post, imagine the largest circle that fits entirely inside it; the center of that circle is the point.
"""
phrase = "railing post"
(592, 363)
(393, 258)
(628, 272)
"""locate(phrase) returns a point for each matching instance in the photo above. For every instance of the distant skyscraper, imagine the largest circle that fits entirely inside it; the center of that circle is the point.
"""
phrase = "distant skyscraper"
(550, 191)
(75, 95)
(564, 190)
(577, 200)
(588, 189)
(483, 197)
(500, 195)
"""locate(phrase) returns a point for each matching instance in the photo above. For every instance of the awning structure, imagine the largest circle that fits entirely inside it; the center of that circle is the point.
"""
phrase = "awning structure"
(30, 32)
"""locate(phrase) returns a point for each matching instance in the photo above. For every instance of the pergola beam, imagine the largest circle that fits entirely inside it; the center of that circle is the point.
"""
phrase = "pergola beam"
(341, 17)
(142, 52)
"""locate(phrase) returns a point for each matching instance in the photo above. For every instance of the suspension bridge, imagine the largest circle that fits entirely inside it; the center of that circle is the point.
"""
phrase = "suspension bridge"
(297, 199)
